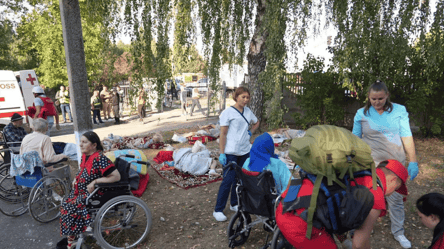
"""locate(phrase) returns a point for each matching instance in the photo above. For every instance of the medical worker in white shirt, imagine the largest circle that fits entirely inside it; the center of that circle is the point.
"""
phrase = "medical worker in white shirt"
(234, 145)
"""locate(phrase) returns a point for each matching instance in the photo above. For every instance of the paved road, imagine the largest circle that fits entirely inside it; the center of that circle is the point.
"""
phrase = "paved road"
(24, 232)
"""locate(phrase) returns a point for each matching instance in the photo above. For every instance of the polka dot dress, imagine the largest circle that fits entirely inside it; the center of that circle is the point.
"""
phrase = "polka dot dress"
(74, 217)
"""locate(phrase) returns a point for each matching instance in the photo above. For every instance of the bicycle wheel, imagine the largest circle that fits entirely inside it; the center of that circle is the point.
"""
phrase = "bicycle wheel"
(123, 222)
(14, 198)
(45, 199)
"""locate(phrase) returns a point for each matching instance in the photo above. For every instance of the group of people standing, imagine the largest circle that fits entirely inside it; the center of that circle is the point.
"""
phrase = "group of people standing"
(107, 101)
(383, 125)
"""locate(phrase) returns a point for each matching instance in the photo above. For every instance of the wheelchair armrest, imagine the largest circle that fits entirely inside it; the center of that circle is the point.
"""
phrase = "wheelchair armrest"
(11, 144)
(111, 185)
(14, 150)
(51, 164)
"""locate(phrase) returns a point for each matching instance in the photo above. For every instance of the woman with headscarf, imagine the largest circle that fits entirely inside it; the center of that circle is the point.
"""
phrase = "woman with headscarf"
(262, 158)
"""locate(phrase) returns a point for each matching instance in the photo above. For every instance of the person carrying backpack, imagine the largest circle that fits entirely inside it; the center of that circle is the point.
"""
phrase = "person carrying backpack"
(339, 190)
(293, 226)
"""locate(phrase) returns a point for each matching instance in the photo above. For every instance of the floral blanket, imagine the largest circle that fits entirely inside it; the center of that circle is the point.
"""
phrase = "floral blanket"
(183, 180)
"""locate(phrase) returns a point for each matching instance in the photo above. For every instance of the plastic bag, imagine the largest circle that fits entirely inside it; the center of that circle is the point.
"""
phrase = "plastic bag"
(177, 138)
(198, 146)
(168, 147)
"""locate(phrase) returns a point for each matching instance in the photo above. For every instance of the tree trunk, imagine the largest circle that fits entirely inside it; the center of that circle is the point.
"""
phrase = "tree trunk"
(257, 61)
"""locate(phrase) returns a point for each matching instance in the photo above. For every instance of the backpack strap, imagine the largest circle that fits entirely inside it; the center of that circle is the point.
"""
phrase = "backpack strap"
(312, 207)
(375, 179)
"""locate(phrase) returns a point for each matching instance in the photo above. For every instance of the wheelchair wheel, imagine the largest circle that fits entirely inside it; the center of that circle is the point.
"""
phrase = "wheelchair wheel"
(279, 241)
(45, 199)
(237, 229)
(13, 198)
(4, 170)
(123, 222)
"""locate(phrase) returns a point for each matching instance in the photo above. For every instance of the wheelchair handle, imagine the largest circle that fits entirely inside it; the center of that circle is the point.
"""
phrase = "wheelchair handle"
(141, 162)
(130, 156)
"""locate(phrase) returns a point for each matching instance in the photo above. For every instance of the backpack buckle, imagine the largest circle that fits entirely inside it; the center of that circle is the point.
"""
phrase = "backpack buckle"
(329, 158)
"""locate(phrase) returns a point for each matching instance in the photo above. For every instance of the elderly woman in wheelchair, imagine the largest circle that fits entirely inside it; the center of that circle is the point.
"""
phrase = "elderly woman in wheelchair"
(40, 142)
(101, 203)
(95, 168)
(29, 182)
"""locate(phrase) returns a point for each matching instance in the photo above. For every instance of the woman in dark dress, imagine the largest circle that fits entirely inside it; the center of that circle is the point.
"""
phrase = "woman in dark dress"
(95, 168)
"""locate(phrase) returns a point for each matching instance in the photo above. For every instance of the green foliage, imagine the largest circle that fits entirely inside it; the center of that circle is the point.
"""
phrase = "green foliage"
(40, 34)
(276, 24)
(425, 100)
(192, 62)
(7, 60)
(375, 42)
(322, 98)
(383, 40)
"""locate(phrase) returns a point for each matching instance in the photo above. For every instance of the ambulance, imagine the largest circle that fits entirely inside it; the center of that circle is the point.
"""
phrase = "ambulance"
(16, 97)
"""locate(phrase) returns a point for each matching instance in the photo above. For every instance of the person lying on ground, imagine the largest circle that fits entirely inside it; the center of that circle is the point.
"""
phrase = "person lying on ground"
(262, 158)
(431, 211)
(392, 175)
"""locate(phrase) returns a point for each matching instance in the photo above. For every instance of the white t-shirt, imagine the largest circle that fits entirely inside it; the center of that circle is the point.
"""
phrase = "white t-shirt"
(238, 139)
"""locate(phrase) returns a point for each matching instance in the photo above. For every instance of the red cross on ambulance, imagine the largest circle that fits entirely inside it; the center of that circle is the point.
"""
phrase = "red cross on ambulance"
(31, 79)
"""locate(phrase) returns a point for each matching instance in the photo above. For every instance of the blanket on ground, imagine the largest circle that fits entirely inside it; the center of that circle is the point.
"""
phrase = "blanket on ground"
(163, 156)
(183, 180)
(192, 163)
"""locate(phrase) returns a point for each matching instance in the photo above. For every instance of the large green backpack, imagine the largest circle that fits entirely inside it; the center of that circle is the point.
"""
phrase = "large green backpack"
(330, 152)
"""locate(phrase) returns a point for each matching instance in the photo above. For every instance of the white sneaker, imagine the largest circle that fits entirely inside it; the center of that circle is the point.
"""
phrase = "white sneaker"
(234, 209)
(405, 243)
(219, 216)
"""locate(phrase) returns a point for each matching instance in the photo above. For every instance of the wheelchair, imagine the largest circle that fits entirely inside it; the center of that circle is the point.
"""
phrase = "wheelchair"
(120, 220)
(40, 193)
(256, 194)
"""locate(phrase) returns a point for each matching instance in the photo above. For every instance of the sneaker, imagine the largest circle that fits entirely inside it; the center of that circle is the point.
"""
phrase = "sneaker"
(234, 208)
(405, 243)
(219, 216)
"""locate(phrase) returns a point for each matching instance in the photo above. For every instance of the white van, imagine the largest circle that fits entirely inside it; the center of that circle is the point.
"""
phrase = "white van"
(16, 97)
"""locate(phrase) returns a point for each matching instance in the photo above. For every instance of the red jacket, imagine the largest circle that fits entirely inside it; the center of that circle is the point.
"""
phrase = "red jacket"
(438, 244)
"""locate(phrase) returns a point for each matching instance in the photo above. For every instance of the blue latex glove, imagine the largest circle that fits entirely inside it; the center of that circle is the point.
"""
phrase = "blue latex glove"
(413, 170)
(249, 133)
(223, 159)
